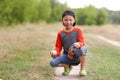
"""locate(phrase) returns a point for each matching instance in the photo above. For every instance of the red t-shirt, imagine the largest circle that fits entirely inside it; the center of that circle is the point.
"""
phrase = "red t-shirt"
(66, 39)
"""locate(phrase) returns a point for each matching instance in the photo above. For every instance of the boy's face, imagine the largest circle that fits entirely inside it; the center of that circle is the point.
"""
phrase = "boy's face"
(68, 21)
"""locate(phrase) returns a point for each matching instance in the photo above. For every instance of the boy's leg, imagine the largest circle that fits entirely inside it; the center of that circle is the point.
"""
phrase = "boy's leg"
(83, 61)
(62, 61)
(82, 66)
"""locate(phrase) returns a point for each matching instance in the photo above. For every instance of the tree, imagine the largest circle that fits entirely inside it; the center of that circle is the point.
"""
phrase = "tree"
(102, 16)
(20, 11)
(44, 10)
(91, 16)
(86, 16)
(57, 10)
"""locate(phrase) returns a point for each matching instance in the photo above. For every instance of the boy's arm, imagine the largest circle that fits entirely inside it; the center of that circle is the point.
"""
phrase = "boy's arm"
(58, 45)
(80, 38)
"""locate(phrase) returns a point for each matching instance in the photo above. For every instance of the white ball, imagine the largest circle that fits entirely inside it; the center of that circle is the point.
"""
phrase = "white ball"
(53, 52)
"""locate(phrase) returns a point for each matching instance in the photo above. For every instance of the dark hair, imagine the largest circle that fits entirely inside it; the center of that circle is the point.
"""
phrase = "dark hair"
(69, 12)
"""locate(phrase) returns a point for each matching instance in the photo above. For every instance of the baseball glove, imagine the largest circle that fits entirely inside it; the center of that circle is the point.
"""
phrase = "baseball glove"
(74, 53)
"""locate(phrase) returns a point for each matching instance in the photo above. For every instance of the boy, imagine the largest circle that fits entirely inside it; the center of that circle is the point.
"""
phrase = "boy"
(69, 36)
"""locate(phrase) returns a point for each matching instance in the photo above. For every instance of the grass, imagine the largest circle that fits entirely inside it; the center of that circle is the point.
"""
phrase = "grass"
(109, 31)
(103, 60)
(24, 52)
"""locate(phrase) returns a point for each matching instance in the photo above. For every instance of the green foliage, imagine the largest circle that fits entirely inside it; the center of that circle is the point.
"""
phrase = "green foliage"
(91, 16)
(5, 10)
(16, 12)
(44, 9)
(86, 15)
(57, 10)
(102, 16)
(12, 12)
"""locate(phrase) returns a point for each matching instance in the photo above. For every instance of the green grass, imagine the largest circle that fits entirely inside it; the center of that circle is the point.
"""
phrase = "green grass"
(26, 65)
(103, 60)
(24, 54)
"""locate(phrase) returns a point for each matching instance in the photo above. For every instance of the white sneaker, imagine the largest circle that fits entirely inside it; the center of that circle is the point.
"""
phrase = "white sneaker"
(83, 73)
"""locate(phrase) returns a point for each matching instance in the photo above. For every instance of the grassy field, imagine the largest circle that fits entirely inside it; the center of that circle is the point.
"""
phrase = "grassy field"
(24, 52)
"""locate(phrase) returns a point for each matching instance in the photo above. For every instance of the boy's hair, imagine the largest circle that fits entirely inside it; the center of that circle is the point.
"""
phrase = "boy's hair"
(69, 12)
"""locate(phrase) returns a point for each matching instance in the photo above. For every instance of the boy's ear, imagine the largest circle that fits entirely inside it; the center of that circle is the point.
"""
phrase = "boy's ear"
(63, 24)
(74, 23)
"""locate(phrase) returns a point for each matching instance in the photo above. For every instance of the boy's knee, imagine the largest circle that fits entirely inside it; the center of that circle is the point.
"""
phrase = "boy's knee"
(84, 50)
(53, 64)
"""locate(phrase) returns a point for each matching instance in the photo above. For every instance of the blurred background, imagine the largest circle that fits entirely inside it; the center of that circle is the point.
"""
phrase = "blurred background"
(28, 30)
(88, 12)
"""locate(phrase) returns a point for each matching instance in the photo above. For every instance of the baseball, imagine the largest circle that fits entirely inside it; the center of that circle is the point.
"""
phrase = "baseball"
(53, 52)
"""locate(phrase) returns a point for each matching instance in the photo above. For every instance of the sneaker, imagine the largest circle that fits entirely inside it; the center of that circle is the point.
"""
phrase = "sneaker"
(67, 71)
(83, 73)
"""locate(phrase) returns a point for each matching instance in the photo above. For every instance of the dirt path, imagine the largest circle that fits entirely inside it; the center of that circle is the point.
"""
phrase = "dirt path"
(115, 43)
(73, 75)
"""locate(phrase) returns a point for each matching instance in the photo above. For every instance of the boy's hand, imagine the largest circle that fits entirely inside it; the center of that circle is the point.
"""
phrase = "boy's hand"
(53, 53)
(76, 44)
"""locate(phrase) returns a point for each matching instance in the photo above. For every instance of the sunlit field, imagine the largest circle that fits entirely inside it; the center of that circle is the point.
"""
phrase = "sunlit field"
(24, 52)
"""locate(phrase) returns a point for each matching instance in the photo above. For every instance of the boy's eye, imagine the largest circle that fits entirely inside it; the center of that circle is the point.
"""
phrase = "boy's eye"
(68, 19)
